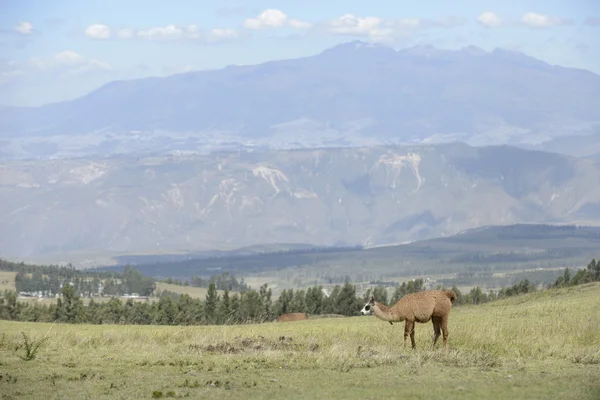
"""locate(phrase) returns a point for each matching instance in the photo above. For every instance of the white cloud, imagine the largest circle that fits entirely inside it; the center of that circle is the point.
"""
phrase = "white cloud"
(534, 20)
(68, 57)
(490, 19)
(380, 30)
(592, 21)
(169, 32)
(24, 28)
(272, 18)
(349, 24)
(374, 28)
(98, 31)
(267, 19)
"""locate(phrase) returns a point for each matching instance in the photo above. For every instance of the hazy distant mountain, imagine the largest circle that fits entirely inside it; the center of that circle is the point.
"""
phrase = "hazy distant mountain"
(354, 93)
(342, 196)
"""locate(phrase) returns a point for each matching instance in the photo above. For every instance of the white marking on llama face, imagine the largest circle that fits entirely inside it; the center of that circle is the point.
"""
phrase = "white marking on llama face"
(367, 309)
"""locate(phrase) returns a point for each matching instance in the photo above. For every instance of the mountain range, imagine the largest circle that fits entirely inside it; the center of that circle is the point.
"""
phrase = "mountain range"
(353, 94)
(368, 196)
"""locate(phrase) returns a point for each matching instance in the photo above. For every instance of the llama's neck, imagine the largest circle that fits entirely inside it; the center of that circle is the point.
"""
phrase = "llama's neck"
(386, 313)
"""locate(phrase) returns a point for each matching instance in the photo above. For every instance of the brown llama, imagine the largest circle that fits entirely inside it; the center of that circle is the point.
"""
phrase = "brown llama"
(419, 307)
(297, 316)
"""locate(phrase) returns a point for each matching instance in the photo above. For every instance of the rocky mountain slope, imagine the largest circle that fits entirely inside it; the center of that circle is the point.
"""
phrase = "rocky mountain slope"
(335, 196)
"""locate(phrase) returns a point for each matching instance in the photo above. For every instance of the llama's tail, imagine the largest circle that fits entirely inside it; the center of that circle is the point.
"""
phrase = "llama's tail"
(451, 295)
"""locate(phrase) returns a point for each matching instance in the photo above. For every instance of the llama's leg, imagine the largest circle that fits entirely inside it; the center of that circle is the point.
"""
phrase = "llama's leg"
(408, 330)
(412, 336)
(444, 325)
(436, 329)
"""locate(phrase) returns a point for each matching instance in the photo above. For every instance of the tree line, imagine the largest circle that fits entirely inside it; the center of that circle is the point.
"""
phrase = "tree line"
(50, 283)
(249, 306)
(222, 281)
(587, 275)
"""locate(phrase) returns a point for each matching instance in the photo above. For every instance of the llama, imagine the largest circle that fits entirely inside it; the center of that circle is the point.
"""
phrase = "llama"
(419, 307)
(292, 317)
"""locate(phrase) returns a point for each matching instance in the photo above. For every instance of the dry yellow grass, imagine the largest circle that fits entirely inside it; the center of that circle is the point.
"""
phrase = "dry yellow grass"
(7, 280)
(537, 346)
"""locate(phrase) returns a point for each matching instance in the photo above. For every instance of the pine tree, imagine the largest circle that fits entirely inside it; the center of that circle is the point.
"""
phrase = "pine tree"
(186, 314)
(567, 277)
(93, 314)
(594, 269)
(265, 299)
(9, 306)
(235, 309)
(166, 311)
(284, 302)
(346, 301)
(298, 302)
(210, 304)
(380, 294)
(250, 307)
(314, 300)
(112, 311)
(73, 310)
(330, 303)
(225, 308)
(459, 296)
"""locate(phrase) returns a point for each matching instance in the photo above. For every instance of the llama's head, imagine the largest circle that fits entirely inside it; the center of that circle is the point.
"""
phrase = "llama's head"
(368, 308)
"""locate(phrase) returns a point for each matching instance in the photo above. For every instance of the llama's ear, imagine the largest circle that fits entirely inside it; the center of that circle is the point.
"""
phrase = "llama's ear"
(372, 298)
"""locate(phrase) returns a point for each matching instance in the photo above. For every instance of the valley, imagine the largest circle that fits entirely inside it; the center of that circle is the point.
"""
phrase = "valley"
(367, 197)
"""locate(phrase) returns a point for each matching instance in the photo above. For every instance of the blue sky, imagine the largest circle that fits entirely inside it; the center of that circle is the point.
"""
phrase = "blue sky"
(53, 50)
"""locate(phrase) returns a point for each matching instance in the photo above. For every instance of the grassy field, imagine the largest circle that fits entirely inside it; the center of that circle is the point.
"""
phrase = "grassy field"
(192, 291)
(7, 280)
(539, 346)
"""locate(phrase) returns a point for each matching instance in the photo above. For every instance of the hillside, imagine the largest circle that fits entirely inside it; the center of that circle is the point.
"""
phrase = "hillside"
(74, 208)
(491, 257)
(514, 357)
(351, 94)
